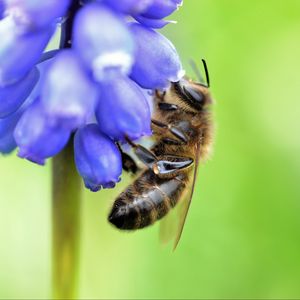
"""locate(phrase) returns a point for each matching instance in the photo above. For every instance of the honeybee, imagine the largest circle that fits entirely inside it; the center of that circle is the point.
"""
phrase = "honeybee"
(182, 131)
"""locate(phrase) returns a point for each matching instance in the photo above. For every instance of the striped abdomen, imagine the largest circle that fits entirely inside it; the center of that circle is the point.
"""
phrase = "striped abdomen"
(148, 199)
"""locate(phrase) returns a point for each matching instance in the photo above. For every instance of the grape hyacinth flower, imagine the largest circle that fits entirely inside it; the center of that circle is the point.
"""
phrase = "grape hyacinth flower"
(80, 102)
(91, 87)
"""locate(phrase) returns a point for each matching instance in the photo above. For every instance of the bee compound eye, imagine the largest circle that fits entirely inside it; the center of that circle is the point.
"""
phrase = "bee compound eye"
(192, 96)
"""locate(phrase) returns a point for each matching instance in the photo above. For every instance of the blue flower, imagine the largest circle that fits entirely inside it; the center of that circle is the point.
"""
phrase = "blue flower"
(19, 52)
(131, 7)
(94, 90)
(97, 158)
(159, 9)
(68, 98)
(103, 40)
(162, 64)
(33, 14)
(1, 9)
(13, 96)
(36, 140)
(7, 127)
(131, 114)
(148, 12)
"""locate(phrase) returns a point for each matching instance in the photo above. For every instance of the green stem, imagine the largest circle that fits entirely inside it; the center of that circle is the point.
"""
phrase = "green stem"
(66, 200)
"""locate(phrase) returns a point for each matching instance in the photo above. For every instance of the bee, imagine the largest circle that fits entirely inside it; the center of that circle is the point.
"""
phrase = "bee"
(182, 131)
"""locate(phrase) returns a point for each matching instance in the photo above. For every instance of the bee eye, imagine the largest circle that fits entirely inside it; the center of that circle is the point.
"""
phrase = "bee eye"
(193, 97)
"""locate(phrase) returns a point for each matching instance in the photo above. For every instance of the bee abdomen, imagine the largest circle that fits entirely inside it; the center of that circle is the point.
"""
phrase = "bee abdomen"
(148, 199)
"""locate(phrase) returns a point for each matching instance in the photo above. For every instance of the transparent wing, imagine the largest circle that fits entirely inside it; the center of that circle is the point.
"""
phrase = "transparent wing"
(168, 226)
(171, 227)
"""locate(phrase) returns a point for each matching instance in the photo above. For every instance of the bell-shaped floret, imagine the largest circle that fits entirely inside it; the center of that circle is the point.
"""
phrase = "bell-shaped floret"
(68, 94)
(128, 6)
(103, 41)
(122, 110)
(33, 14)
(37, 140)
(19, 53)
(157, 62)
(97, 158)
(13, 96)
(153, 15)
(7, 127)
(152, 23)
(159, 9)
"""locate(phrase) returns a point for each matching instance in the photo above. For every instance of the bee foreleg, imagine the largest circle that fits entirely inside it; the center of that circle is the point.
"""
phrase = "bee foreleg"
(146, 156)
(176, 134)
(165, 106)
(163, 166)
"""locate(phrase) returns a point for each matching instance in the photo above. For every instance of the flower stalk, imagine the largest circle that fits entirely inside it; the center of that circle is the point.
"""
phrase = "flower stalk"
(66, 202)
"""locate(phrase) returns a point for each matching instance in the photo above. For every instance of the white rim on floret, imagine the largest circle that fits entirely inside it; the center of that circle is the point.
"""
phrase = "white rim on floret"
(110, 60)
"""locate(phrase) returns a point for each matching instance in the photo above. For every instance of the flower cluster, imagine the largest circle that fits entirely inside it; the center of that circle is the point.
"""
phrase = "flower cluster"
(93, 86)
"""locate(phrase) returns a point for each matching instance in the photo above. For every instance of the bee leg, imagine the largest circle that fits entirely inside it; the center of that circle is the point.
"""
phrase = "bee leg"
(165, 106)
(177, 135)
(144, 155)
(166, 166)
(128, 163)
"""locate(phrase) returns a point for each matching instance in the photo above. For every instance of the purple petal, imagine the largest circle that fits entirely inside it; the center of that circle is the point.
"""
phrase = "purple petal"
(38, 141)
(19, 53)
(152, 23)
(13, 96)
(68, 94)
(123, 110)
(1, 8)
(157, 62)
(103, 40)
(159, 9)
(128, 6)
(97, 158)
(7, 127)
(33, 14)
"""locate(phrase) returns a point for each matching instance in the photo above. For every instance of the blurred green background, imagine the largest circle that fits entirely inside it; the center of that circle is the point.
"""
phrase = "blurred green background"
(242, 236)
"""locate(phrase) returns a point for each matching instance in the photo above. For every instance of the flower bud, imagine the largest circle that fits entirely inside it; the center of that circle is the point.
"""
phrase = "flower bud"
(103, 40)
(97, 158)
(157, 62)
(33, 14)
(68, 97)
(13, 96)
(35, 138)
(122, 110)
(19, 53)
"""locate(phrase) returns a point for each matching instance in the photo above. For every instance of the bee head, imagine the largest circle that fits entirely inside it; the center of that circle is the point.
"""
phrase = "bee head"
(195, 95)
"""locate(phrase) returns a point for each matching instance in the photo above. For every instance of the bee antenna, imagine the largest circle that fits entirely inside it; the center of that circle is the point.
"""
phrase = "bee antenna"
(206, 72)
(196, 71)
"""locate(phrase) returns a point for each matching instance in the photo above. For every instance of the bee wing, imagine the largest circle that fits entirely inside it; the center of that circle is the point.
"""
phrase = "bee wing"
(168, 227)
(171, 227)
(186, 201)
